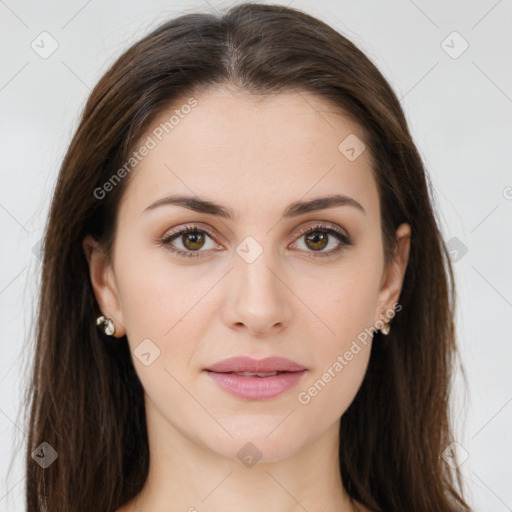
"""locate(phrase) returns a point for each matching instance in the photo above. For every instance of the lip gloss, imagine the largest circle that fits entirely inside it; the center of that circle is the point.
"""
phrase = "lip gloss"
(254, 387)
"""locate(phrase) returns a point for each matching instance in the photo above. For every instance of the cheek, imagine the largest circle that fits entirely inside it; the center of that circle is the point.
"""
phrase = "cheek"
(166, 310)
(155, 296)
(341, 359)
(343, 347)
(346, 303)
(161, 323)
(331, 389)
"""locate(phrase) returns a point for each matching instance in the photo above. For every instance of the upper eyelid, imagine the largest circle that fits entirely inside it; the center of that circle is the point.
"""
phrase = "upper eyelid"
(344, 239)
(317, 224)
(197, 227)
(301, 231)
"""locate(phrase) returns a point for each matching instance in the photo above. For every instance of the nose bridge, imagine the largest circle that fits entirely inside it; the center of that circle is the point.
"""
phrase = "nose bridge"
(253, 270)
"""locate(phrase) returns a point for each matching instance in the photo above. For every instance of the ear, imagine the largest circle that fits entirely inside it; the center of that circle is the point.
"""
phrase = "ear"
(104, 283)
(393, 276)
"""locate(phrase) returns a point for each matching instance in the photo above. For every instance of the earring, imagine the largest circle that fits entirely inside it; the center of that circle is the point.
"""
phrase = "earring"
(108, 325)
(386, 328)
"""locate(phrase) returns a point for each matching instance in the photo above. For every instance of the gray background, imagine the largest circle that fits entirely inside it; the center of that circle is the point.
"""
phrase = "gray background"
(458, 105)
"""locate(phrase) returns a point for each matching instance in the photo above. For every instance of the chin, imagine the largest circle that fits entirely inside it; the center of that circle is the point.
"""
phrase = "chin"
(259, 442)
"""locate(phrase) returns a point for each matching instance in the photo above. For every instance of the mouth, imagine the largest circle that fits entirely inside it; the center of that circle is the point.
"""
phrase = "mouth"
(252, 374)
(248, 365)
(256, 385)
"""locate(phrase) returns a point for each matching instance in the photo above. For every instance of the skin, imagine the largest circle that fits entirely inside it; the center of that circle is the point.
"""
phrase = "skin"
(244, 152)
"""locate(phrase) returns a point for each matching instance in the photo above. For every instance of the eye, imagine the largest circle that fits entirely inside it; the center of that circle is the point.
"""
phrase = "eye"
(191, 238)
(317, 238)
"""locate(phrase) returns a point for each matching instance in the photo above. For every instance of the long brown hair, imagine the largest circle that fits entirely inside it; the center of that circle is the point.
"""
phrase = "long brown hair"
(84, 397)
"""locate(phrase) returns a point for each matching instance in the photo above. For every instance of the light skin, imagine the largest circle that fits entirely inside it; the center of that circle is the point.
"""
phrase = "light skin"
(254, 156)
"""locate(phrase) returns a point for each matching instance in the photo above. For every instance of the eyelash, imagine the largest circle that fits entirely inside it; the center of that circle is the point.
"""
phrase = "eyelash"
(344, 240)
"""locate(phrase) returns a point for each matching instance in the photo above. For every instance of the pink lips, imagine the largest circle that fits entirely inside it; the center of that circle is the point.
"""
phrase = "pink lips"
(224, 373)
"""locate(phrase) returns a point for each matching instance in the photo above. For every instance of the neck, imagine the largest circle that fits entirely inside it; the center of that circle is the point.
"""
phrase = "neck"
(188, 476)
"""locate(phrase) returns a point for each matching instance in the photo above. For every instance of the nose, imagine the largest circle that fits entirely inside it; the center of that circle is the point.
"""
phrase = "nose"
(258, 298)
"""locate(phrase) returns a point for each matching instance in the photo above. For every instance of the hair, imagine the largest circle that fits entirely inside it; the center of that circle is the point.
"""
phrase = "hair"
(84, 397)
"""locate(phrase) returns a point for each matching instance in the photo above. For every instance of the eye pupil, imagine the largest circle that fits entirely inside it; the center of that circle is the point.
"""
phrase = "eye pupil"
(197, 238)
(317, 237)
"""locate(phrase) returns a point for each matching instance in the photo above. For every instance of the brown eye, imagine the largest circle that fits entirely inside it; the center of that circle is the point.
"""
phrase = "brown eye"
(317, 240)
(190, 241)
(193, 241)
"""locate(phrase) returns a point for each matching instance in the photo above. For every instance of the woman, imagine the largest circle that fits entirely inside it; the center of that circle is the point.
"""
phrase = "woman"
(246, 301)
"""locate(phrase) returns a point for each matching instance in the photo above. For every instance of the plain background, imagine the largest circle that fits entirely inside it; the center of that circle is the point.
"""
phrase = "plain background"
(458, 103)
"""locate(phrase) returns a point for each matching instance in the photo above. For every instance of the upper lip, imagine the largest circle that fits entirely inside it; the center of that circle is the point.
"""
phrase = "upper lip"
(248, 364)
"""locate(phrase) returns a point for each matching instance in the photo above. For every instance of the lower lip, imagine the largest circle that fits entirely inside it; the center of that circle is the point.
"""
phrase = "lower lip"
(256, 388)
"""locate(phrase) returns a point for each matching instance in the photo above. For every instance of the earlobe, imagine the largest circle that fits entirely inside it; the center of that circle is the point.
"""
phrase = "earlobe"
(103, 284)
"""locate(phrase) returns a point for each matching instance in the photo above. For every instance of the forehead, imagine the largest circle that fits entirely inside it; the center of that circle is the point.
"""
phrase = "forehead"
(251, 150)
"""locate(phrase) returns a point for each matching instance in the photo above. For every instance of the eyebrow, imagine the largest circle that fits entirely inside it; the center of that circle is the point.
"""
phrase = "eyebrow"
(295, 209)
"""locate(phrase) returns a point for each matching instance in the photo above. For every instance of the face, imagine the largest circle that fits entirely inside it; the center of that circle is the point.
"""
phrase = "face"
(266, 279)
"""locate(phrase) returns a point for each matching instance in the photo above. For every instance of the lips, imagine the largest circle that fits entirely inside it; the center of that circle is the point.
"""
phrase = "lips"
(247, 364)
(254, 379)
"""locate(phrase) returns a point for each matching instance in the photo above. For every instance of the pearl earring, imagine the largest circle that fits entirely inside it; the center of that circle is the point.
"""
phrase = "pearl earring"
(108, 325)
(385, 328)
